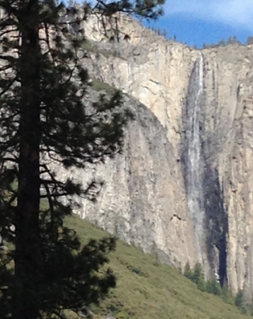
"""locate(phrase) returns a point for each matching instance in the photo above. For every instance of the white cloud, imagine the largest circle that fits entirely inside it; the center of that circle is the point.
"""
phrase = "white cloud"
(232, 12)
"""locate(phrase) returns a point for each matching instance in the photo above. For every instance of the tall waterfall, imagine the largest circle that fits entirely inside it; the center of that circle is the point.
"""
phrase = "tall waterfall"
(194, 162)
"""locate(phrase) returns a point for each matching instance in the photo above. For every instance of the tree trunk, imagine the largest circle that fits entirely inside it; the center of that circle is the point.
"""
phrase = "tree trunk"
(27, 253)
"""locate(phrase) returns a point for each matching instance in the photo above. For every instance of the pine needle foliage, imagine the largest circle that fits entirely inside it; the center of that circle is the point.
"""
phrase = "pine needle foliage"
(45, 120)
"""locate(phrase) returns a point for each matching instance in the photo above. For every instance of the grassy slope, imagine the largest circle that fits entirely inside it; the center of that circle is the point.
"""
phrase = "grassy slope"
(147, 289)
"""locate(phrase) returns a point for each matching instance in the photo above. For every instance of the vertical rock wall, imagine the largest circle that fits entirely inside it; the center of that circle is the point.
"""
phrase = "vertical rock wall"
(193, 159)
(142, 200)
(183, 186)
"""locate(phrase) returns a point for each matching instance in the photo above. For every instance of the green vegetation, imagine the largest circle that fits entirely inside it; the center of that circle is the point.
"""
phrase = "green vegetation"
(210, 286)
(147, 289)
(244, 303)
(239, 300)
(45, 122)
(213, 287)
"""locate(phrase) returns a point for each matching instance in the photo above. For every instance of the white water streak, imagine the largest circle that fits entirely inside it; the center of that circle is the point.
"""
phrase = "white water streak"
(195, 186)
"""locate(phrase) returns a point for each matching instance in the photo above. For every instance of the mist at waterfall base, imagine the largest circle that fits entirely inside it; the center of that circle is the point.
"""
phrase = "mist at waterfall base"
(196, 31)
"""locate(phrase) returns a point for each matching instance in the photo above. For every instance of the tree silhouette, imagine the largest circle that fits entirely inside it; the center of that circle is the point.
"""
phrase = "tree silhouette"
(46, 121)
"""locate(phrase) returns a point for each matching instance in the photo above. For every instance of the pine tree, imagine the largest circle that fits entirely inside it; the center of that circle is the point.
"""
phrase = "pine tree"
(227, 295)
(216, 288)
(198, 277)
(44, 119)
(201, 284)
(213, 287)
(209, 287)
(188, 271)
(197, 273)
(239, 299)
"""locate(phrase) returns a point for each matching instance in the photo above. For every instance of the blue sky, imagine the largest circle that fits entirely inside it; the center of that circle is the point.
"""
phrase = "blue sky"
(207, 21)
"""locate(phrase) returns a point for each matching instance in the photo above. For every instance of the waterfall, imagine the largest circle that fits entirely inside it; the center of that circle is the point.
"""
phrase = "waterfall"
(194, 172)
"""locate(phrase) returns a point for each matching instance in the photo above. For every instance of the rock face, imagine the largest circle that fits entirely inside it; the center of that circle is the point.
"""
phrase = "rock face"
(184, 184)
(142, 199)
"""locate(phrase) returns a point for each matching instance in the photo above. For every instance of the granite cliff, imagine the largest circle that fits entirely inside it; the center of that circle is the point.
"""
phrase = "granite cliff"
(183, 186)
